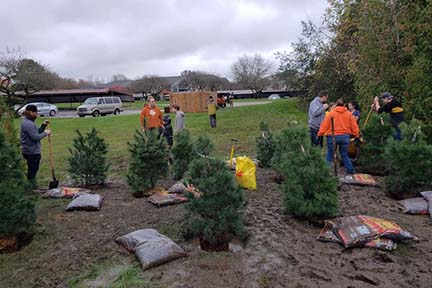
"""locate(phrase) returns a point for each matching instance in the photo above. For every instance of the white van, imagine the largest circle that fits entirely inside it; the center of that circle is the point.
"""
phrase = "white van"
(97, 106)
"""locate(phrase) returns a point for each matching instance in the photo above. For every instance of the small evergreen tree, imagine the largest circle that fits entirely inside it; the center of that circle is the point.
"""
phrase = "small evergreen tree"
(288, 141)
(376, 136)
(409, 162)
(183, 153)
(203, 146)
(87, 163)
(309, 190)
(265, 145)
(148, 163)
(215, 214)
(17, 209)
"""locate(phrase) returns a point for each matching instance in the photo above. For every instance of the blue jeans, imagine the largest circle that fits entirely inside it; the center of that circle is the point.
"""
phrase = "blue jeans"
(212, 120)
(315, 139)
(342, 141)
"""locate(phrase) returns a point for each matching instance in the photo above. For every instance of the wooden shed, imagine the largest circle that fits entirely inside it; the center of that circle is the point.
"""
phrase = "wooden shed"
(192, 101)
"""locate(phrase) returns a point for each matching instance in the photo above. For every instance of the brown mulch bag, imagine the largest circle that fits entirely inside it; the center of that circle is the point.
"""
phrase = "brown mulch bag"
(416, 205)
(327, 235)
(85, 202)
(358, 230)
(178, 188)
(359, 179)
(151, 247)
(64, 192)
(161, 200)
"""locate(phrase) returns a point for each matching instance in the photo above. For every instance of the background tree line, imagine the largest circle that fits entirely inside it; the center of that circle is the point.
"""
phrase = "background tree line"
(364, 48)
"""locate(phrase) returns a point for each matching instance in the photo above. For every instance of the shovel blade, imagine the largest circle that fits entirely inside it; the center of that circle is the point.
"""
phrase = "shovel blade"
(53, 184)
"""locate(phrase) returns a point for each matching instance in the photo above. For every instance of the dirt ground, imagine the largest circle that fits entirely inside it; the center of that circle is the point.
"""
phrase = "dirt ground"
(280, 251)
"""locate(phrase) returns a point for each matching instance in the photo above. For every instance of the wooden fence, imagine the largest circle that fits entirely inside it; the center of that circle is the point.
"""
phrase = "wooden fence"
(192, 101)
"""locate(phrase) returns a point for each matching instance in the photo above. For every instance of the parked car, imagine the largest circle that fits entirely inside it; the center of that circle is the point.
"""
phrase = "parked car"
(44, 109)
(97, 106)
(274, 97)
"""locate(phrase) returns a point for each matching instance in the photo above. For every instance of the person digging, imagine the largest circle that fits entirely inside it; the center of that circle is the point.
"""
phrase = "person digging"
(344, 125)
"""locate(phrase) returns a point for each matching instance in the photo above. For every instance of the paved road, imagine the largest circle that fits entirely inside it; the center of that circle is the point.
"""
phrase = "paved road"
(73, 113)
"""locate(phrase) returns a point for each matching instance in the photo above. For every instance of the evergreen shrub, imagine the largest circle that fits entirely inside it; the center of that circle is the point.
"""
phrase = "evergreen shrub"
(148, 162)
(409, 162)
(87, 162)
(309, 189)
(265, 145)
(376, 137)
(183, 153)
(203, 146)
(17, 208)
(215, 214)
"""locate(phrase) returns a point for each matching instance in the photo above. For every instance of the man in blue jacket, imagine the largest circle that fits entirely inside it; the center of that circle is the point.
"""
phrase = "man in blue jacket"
(317, 112)
(30, 141)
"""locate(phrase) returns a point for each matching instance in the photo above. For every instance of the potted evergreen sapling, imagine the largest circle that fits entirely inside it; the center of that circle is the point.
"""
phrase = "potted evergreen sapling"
(214, 213)
(148, 161)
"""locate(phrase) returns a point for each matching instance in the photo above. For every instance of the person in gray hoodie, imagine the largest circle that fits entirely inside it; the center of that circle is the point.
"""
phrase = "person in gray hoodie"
(317, 112)
(179, 120)
(30, 141)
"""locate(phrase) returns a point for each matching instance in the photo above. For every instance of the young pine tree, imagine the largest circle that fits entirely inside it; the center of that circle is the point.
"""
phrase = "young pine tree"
(215, 215)
(183, 153)
(408, 162)
(309, 190)
(376, 135)
(17, 208)
(265, 145)
(87, 162)
(203, 146)
(148, 163)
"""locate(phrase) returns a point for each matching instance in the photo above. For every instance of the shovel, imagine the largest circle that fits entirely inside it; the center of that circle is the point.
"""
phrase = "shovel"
(54, 183)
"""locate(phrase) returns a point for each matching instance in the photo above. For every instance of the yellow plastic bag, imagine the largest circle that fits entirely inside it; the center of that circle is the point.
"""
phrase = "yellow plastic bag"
(245, 172)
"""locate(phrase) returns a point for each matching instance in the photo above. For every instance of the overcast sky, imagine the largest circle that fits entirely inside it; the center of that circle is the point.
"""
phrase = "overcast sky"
(82, 38)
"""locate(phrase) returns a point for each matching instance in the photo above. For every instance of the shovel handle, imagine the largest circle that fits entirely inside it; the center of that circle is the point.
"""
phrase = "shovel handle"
(51, 153)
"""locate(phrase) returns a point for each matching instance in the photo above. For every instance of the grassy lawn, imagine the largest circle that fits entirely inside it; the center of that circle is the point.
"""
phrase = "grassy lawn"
(241, 123)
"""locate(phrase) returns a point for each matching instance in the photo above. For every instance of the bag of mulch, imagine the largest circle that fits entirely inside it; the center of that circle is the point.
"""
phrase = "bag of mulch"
(416, 205)
(151, 247)
(388, 229)
(382, 244)
(352, 231)
(64, 192)
(428, 196)
(161, 200)
(358, 230)
(359, 179)
(178, 188)
(85, 202)
(327, 235)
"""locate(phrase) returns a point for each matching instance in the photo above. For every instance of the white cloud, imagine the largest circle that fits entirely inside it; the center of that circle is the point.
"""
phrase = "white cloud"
(136, 37)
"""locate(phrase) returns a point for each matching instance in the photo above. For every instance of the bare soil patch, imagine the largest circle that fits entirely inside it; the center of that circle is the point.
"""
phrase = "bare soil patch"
(280, 251)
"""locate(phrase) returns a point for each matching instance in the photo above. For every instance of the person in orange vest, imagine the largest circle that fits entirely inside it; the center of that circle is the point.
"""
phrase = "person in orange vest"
(151, 117)
(345, 125)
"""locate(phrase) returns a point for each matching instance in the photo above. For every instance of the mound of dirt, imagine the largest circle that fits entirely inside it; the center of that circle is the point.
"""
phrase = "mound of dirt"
(280, 251)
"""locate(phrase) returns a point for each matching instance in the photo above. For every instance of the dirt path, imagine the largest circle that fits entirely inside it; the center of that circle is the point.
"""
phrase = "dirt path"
(280, 251)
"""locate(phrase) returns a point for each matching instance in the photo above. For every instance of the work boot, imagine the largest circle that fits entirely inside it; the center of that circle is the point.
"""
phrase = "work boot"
(34, 184)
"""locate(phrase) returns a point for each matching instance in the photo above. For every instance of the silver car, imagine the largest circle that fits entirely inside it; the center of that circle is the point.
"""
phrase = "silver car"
(44, 109)
(97, 106)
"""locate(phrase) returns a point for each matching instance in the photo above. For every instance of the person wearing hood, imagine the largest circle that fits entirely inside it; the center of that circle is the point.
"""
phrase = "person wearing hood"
(345, 125)
(31, 136)
(316, 114)
(179, 120)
